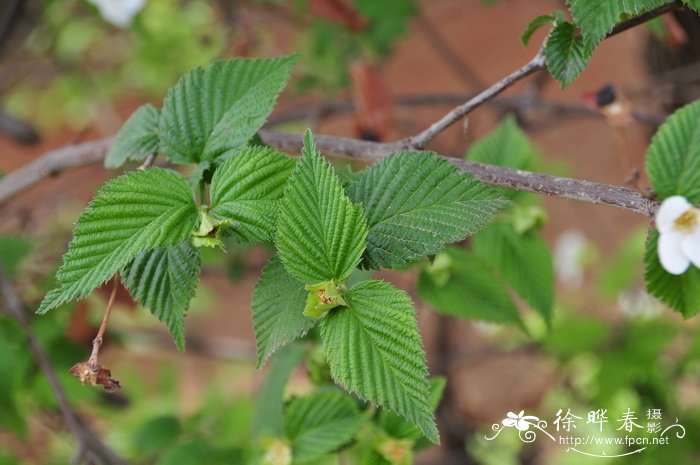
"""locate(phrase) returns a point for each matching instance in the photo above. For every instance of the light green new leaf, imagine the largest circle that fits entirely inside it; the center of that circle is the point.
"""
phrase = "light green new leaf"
(278, 305)
(523, 260)
(320, 234)
(566, 54)
(373, 349)
(131, 214)
(319, 423)
(218, 108)
(597, 18)
(416, 202)
(164, 280)
(534, 25)
(472, 291)
(269, 406)
(137, 139)
(673, 157)
(680, 292)
(694, 4)
(246, 190)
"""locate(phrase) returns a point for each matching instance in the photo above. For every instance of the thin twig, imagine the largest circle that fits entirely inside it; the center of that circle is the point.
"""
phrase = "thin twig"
(97, 342)
(90, 448)
(52, 164)
(537, 63)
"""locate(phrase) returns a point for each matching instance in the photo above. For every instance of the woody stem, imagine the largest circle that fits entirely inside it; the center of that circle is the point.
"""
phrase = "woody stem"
(97, 342)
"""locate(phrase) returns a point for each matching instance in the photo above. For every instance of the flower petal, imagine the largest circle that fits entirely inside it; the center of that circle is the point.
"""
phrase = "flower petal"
(509, 422)
(522, 425)
(691, 247)
(671, 253)
(670, 209)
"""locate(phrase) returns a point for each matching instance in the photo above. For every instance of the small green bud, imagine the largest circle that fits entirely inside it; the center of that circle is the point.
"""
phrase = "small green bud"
(324, 297)
(210, 229)
(528, 218)
(441, 269)
(277, 452)
(396, 451)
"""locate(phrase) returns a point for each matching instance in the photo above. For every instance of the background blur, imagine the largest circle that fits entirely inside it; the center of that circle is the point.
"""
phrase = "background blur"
(375, 70)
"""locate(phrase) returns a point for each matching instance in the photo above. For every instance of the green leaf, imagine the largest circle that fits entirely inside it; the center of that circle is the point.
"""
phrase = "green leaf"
(534, 25)
(319, 423)
(164, 280)
(566, 54)
(694, 4)
(398, 428)
(218, 108)
(416, 202)
(523, 260)
(247, 188)
(374, 349)
(321, 235)
(508, 146)
(269, 409)
(673, 157)
(137, 139)
(680, 292)
(131, 214)
(278, 303)
(472, 291)
(597, 18)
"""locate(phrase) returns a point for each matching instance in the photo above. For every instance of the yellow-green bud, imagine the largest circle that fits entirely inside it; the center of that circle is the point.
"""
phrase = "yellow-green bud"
(324, 297)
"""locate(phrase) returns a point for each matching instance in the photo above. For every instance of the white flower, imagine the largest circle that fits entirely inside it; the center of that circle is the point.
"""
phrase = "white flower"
(520, 421)
(119, 12)
(679, 234)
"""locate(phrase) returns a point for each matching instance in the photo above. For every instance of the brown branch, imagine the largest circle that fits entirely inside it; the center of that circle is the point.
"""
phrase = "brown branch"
(568, 188)
(91, 450)
(52, 164)
(528, 181)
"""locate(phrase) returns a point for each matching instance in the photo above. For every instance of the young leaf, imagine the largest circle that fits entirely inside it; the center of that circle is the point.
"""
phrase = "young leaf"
(673, 157)
(680, 292)
(246, 189)
(218, 108)
(596, 19)
(164, 280)
(269, 406)
(566, 54)
(534, 25)
(278, 303)
(373, 349)
(523, 260)
(319, 423)
(320, 235)
(398, 428)
(137, 139)
(416, 203)
(694, 4)
(471, 291)
(507, 145)
(131, 214)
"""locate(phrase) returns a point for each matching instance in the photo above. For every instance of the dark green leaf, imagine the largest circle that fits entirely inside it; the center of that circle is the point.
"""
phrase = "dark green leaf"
(278, 303)
(247, 188)
(374, 349)
(164, 280)
(566, 54)
(416, 202)
(132, 214)
(218, 108)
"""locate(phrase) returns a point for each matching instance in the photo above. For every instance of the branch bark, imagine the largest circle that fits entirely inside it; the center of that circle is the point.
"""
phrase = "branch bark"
(91, 450)
(365, 151)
